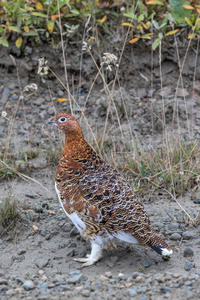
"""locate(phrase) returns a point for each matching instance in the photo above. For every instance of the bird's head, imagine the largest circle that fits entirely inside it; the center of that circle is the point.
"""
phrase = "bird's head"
(67, 123)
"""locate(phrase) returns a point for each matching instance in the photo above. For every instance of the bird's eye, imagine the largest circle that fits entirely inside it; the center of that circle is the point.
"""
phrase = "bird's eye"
(63, 119)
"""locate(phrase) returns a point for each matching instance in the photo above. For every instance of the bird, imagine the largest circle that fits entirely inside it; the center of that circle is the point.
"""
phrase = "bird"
(97, 198)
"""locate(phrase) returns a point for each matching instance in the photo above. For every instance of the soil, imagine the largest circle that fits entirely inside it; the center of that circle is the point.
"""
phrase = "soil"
(41, 248)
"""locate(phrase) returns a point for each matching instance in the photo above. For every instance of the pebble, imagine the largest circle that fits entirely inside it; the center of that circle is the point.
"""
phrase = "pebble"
(147, 264)
(175, 236)
(51, 111)
(74, 278)
(41, 262)
(39, 101)
(189, 265)
(3, 281)
(21, 251)
(5, 96)
(28, 285)
(132, 292)
(188, 294)
(165, 289)
(189, 234)
(86, 293)
(188, 252)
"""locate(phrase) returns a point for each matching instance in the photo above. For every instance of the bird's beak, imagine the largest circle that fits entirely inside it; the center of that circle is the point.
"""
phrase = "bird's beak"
(51, 121)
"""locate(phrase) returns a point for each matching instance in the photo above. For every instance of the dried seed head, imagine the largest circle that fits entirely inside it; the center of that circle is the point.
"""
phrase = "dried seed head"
(109, 59)
(31, 86)
(42, 66)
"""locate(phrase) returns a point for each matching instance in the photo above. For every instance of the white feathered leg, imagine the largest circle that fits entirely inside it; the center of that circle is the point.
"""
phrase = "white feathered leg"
(94, 256)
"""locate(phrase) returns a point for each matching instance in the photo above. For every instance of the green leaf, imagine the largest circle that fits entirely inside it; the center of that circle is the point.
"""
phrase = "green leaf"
(4, 42)
(155, 24)
(179, 13)
(130, 14)
(18, 42)
(156, 43)
(38, 14)
(14, 28)
(30, 33)
(141, 18)
(75, 11)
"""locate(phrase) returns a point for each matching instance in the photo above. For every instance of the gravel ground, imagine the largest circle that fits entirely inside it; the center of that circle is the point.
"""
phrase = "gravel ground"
(36, 257)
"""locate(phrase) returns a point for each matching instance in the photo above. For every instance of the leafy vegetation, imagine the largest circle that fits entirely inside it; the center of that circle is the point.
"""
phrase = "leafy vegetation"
(147, 20)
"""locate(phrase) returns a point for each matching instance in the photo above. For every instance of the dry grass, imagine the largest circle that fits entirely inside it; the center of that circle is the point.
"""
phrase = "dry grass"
(8, 212)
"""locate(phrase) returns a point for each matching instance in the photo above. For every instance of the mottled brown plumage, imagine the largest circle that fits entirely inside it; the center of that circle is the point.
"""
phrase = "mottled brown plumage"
(97, 198)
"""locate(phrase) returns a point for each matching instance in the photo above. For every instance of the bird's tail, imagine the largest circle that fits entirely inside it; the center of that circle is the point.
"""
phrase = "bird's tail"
(159, 245)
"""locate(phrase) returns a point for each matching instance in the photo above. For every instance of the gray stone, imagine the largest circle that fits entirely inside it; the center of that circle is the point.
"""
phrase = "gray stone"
(188, 252)
(21, 251)
(3, 281)
(74, 278)
(188, 283)
(86, 293)
(189, 234)
(5, 96)
(175, 236)
(165, 289)
(60, 93)
(132, 292)
(189, 265)
(51, 111)
(41, 262)
(39, 101)
(28, 285)
(188, 294)
(147, 264)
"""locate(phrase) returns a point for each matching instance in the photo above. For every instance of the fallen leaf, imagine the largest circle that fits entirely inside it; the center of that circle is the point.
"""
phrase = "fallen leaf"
(188, 6)
(62, 100)
(39, 5)
(133, 40)
(171, 32)
(54, 17)
(101, 21)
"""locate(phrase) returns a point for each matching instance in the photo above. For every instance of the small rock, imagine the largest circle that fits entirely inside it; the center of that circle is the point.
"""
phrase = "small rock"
(60, 93)
(86, 293)
(74, 278)
(21, 251)
(132, 292)
(188, 252)
(3, 281)
(165, 289)
(197, 201)
(175, 236)
(108, 274)
(188, 283)
(51, 111)
(189, 265)
(5, 96)
(39, 101)
(188, 294)
(15, 258)
(28, 285)
(41, 262)
(147, 264)
(189, 234)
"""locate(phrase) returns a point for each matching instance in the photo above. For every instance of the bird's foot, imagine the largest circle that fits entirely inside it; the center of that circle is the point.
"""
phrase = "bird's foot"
(90, 259)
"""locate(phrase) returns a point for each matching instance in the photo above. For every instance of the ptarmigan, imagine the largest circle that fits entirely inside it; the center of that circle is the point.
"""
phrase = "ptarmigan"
(97, 198)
